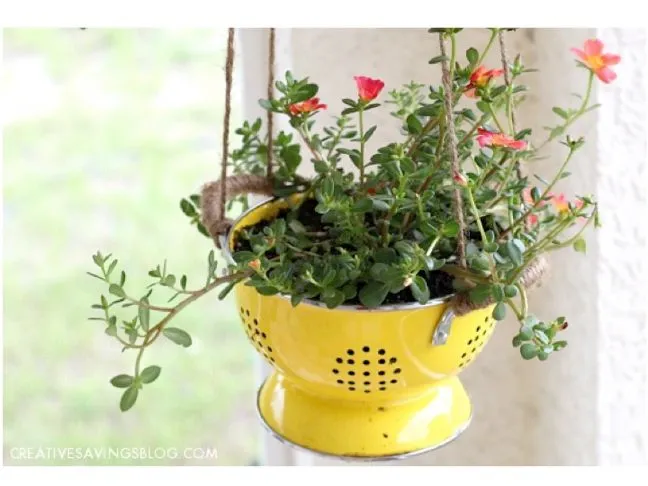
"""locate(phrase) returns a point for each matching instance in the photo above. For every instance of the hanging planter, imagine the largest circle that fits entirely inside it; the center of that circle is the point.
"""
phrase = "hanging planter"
(369, 290)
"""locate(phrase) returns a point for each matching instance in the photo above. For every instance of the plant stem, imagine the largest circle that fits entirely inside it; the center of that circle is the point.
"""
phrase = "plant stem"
(475, 211)
(542, 196)
(362, 143)
(488, 46)
(155, 331)
(571, 240)
(523, 299)
(576, 115)
(518, 314)
(497, 122)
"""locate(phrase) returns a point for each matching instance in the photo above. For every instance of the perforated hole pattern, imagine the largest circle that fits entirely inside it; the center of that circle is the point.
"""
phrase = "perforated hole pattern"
(257, 335)
(476, 342)
(351, 370)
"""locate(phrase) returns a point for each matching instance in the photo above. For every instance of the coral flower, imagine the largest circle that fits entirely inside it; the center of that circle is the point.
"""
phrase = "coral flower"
(599, 63)
(307, 106)
(526, 194)
(480, 78)
(562, 205)
(368, 89)
(486, 138)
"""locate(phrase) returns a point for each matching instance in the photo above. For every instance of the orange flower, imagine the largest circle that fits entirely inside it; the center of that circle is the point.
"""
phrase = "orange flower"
(368, 89)
(480, 78)
(599, 63)
(255, 264)
(486, 138)
(307, 106)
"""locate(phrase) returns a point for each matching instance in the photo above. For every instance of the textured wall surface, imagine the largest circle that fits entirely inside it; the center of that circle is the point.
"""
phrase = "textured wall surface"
(587, 404)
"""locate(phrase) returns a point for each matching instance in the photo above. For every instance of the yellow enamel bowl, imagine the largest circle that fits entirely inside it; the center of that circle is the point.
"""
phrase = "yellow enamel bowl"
(355, 383)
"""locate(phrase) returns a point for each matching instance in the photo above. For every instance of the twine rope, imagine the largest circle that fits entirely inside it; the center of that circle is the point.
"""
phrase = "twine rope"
(457, 202)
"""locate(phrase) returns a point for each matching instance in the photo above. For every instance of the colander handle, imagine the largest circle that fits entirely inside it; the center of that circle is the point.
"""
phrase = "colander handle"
(442, 330)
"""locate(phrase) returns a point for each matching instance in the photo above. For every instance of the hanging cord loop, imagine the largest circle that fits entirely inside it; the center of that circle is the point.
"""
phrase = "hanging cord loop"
(457, 201)
(537, 269)
(214, 195)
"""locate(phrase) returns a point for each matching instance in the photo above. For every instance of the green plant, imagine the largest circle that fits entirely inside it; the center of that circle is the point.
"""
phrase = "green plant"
(444, 209)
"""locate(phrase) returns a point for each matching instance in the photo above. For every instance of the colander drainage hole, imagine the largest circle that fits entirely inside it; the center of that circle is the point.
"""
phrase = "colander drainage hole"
(382, 382)
(350, 352)
(392, 360)
(478, 329)
(394, 381)
(366, 349)
(367, 391)
(382, 388)
(381, 361)
(381, 373)
(381, 352)
(366, 362)
(351, 373)
(350, 361)
(367, 383)
(397, 370)
(256, 322)
(366, 373)
(336, 371)
(352, 382)
(263, 335)
(464, 355)
(351, 388)
(247, 312)
(339, 360)
(341, 382)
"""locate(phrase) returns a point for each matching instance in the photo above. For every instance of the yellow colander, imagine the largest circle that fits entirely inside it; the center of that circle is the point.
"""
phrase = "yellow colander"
(356, 383)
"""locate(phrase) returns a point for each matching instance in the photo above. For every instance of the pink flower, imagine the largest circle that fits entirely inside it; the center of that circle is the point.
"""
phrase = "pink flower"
(306, 106)
(368, 89)
(493, 139)
(599, 63)
(480, 78)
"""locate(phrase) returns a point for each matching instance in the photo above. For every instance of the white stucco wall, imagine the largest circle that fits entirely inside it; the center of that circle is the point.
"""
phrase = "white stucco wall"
(587, 404)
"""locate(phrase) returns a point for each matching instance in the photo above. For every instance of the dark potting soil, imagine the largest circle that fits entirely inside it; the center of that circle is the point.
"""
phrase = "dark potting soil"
(439, 283)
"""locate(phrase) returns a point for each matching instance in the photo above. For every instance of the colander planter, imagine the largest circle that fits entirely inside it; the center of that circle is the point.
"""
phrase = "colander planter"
(359, 383)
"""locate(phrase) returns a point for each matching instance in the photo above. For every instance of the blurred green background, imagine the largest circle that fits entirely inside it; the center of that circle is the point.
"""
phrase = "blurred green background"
(104, 132)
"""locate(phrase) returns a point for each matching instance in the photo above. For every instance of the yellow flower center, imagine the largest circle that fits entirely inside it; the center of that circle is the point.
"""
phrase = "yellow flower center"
(595, 62)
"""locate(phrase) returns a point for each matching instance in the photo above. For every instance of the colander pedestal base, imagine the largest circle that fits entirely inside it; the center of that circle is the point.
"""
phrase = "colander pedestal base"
(371, 429)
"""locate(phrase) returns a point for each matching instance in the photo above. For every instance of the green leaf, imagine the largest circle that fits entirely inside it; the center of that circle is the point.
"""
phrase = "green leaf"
(332, 297)
(528, 351)
(517, 340)
(169, 281)
(472, 55)
(480, 293)
(498, 293)
(580, 245)
(541, 336)
(116, 290)
(295, 299)
(369, 133)
(266, 105)
(514, 253)
(363, 205)
(439, 59)
(305, 93)
(491, 247)
(420, 289)
(121, 381)
(560, 112)
(183, 282)
(526, 333)
(499, 312)
(128, 399)
(150, 374)
(510, 291)
(379, 205)
(414, 126)
(144, 315)
(373, 294)
(178, 336)
(188, 208)
(450, 229)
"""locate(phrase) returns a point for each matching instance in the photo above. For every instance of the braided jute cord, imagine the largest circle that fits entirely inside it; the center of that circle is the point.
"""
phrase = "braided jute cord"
(537, 269)
(457, 202)
(214, 195)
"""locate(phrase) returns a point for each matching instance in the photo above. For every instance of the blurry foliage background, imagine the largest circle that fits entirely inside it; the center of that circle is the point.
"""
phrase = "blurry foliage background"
(104, 132)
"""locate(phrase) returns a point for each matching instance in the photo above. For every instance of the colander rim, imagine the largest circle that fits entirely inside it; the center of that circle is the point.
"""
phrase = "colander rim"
(226, 251)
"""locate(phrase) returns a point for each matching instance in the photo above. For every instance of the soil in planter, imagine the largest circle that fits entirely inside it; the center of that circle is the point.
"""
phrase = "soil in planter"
(439, 283)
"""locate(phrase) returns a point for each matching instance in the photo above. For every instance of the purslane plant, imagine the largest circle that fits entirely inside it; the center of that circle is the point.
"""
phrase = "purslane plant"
(372, 229)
